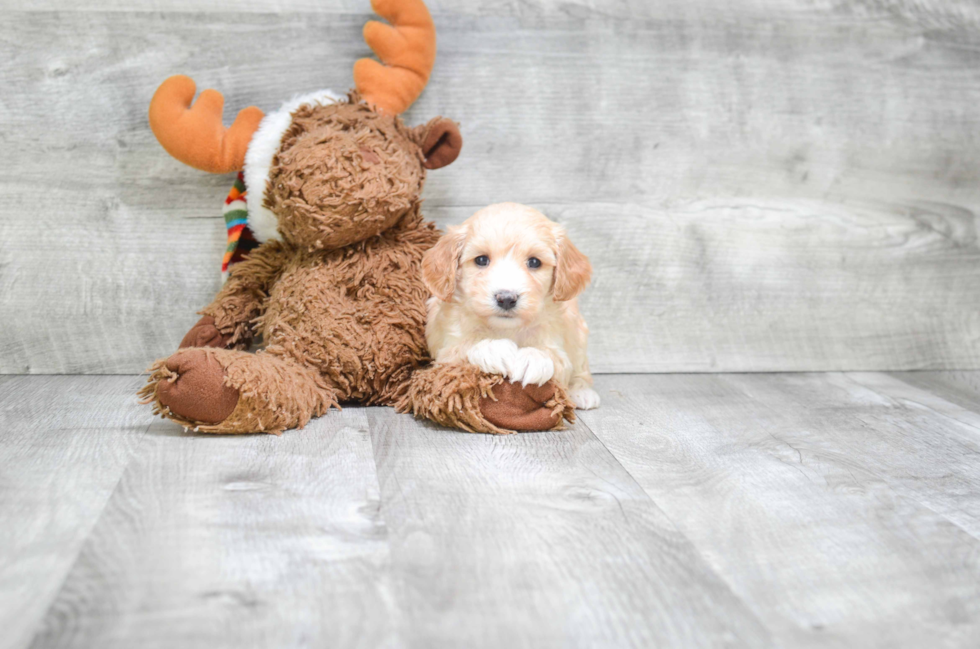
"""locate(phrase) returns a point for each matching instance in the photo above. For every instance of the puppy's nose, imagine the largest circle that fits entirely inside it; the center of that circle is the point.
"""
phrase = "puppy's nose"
(506, 300)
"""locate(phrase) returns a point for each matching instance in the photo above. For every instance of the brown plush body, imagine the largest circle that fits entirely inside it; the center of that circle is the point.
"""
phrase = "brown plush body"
(344, 325)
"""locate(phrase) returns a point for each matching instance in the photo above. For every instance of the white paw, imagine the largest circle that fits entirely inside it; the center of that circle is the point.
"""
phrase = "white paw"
(493, 356)
(585, 398)
(531, 365)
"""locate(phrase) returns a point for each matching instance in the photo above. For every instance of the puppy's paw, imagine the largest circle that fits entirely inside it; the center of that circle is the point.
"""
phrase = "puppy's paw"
(530, 365)
(585, 398)
(493, 356)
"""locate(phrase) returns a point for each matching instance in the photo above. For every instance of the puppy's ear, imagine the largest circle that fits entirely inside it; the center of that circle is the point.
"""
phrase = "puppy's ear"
(572, 269)
(440, 142)
(440, 263)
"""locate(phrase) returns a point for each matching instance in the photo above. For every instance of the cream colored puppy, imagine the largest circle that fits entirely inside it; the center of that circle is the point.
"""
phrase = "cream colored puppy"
(504, 287)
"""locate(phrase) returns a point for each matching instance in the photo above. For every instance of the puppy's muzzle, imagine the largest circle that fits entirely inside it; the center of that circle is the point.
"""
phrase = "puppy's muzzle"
(506, 300)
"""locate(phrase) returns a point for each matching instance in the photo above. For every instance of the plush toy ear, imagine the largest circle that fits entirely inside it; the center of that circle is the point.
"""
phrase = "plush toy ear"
(572, 269)
(440, 141)
(440, 263)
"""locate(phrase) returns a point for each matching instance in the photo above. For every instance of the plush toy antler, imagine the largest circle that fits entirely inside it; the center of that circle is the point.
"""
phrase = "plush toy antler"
(195, 135)
(408, 49)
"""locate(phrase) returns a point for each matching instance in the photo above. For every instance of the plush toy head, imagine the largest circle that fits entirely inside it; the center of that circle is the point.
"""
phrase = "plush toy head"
(344, 172)
(324, 171)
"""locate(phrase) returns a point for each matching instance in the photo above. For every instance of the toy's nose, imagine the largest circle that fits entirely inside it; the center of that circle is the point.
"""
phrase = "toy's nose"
(506, 300)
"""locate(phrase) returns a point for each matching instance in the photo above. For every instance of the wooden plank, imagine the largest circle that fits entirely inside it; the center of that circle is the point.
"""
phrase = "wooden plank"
(64, 443)
(538, 540)
(775, 287)
(794, 510)
(937, 13)
(770, 186)
(240, 541)
(363, 7)
(933, 444)
(961, 388)
(814, 497)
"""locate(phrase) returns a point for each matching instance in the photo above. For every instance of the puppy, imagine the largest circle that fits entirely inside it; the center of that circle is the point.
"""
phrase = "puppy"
(504, 286)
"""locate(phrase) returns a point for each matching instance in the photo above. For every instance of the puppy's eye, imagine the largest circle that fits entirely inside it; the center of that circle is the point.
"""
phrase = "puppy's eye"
(482, 260)
(534, 262)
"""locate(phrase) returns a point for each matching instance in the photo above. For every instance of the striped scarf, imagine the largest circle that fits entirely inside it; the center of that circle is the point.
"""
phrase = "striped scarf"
(240, 238)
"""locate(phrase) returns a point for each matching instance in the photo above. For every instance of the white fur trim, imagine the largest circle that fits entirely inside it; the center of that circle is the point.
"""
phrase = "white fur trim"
(258, 160)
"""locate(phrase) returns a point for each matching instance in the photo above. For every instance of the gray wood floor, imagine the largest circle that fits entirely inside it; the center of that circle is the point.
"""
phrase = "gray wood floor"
(690, 510)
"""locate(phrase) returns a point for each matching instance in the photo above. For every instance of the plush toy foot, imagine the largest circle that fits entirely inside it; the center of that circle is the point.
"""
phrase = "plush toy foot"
(196, 389)
(522, 408)
(232, 391)
(205, 334)
(462, 396)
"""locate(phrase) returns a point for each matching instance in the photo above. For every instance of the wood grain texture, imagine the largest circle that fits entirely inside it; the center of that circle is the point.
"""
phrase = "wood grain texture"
(811, 510)
(770, 185)
(64, 443)
(538, 540)
(841, 508)
(935, 13)
(239, 541)
(960, 388)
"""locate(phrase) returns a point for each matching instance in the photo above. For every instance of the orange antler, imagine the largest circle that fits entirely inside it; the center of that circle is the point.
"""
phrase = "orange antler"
(408, 49)
(195, 134)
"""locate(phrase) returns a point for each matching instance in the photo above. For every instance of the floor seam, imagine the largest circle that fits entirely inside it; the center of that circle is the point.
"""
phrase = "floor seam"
(88, 534)
(704, 560)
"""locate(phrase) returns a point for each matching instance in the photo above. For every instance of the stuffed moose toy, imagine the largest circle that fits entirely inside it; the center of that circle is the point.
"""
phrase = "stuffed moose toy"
(331, 186)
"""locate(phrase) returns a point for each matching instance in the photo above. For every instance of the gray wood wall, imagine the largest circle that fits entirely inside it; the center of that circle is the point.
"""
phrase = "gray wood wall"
(762, 185)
